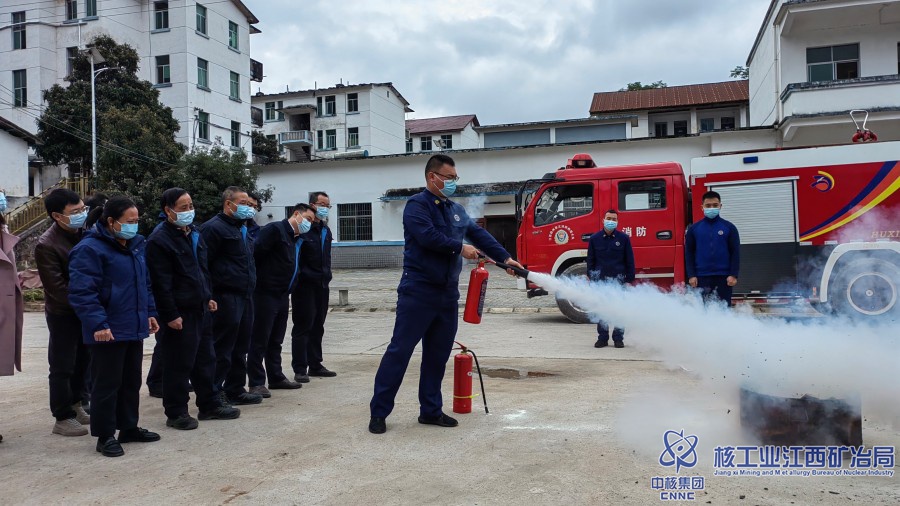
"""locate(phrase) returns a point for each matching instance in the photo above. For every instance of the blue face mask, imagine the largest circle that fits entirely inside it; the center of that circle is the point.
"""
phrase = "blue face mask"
(76, 221)
(304, 226)
(2, 202)
(322, 213)
(184, 218)
(129, 230)
(244, 212)
(610, 225)
(449, 188)
(711, 212)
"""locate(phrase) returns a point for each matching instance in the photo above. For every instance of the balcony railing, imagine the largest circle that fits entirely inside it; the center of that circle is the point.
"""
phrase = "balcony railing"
(33, 212)
(870, 93)
(302, 137)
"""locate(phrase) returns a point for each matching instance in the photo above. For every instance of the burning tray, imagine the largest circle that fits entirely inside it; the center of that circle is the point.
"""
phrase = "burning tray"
(804, 421)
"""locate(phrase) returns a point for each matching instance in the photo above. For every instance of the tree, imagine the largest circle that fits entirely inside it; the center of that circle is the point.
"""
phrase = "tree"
(637, 86)
(265, 148)
(740, 72)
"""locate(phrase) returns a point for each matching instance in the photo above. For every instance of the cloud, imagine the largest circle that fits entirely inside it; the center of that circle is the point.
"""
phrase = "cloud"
(503, 60)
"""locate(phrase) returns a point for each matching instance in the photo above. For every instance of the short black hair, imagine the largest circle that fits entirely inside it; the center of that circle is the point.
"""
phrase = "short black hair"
(711, 195)
(57, 200)
(170, 197)
(229, 192)
(611, 211)
(437, 161)
(314, 196)
(116, 207)
(300, 206)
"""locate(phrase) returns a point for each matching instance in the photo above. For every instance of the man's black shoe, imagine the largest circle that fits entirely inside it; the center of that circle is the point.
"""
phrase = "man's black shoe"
(284, 384)
(223, 399)
(322, 372)
(109, 447)
(442, 420)
(619, 344)
(377, 425)
(137, 435)
(301, 378)
(183, 422)
(220, 413)
(601, 344)
(244, 398)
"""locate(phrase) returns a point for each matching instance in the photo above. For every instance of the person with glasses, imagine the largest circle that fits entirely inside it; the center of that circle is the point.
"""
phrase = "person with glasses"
(109, 289)
(310, 296)
(67, 354)
(434, 228)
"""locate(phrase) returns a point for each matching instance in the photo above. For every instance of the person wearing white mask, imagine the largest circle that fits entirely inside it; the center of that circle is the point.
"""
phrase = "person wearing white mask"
(278, 254)
(712, 252)
(67, 354)
(610, 258)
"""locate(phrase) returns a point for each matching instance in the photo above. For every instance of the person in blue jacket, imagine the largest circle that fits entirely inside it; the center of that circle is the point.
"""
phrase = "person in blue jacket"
(176, 256)
(610, 257)
(109, 289)
(712, 252)
(427, 304)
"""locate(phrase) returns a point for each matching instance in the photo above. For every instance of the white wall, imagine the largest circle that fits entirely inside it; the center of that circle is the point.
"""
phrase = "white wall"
(13, 165)
(388, 122)
(764, 79)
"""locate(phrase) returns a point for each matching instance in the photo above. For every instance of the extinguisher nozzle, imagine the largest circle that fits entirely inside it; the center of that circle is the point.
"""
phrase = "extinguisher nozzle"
(522, 273)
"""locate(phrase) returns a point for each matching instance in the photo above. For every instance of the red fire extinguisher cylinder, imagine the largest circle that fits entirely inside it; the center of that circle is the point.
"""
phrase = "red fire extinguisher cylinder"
(475, 294)
(462, 382)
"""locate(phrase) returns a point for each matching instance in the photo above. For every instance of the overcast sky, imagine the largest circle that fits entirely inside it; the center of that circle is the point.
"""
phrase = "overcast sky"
(504, 60)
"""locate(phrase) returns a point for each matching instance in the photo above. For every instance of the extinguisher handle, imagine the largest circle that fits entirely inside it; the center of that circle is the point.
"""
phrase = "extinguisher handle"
(522, 273)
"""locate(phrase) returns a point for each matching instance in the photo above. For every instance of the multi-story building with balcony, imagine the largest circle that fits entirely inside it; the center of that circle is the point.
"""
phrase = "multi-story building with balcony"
(814, 61)
(342, 121)
(445, 133)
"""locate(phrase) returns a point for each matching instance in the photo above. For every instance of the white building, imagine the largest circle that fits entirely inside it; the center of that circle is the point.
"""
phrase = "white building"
(15, 178)
(344, 120)
(814, 62)
(195, 53)
(442, 134)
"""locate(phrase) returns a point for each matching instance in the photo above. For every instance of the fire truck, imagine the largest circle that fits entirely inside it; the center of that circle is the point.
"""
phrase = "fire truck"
(821, 224)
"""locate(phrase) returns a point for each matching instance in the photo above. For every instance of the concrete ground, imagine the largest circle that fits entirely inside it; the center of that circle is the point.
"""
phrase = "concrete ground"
(557, 436)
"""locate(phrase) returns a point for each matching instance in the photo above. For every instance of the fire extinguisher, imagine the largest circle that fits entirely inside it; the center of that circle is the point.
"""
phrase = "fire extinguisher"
(475, 295)
(462, 380)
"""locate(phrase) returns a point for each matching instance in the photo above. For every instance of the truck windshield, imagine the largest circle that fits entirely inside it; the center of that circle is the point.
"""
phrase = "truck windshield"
(563, 202)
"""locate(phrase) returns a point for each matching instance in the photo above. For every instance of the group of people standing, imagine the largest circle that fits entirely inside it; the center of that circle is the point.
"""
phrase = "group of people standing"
(216, 296)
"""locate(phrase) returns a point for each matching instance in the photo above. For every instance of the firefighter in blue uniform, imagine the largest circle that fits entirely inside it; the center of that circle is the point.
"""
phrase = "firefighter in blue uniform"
(427, 304)
(610, 257)
(712, 252)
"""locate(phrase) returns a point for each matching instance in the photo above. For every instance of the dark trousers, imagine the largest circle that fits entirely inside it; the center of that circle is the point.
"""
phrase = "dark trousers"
(155, 374)
(603, 332)
(231, 328)
(115, 398)
(269, 326)
(188, 355)
(424, 313)
(713, 287)
(69, 359)
(310, 303)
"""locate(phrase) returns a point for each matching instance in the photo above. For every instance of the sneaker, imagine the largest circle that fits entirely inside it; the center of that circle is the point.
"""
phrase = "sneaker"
(244, 398)
(601, 344)
(183, 422)
(109, 447)
(261, 391)
(441, 421)
(619, 344)
(220, 413)
(322, 372)
(81, 415)
(137, 435)
(223, 399)
(377, 425)
(301, 378)
(284, 384)
(69, 427)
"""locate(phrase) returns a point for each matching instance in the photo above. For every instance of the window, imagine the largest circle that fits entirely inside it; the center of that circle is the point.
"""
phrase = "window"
(425, 143)
(832, 62)
(330, 108)
(270, 111)
(18, 30)
(203, 125)
(661, 129)
(20, 88)
(235, 86)
(201, 19)
(409, 145)
(232, 35)
(352, 102)
(163, 70)
(71, 10)
(898, 57)
(681, 128)
(161, 15)
(281, 113)
(707, 124)
(330, 139)
(353, 137)
(728, 123)
(642, 195)
(71, 55)
(447, 141)
(563, 202)
(355, 222)
(235, 134)
(90, 8)
(320, 139)
(202, 73)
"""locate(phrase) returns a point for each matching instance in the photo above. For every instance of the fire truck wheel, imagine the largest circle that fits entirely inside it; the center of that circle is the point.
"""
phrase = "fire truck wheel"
(869, 288)
(574, 313)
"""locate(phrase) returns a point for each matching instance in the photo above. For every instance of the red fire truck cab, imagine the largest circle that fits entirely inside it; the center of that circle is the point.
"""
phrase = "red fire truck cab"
(815, 223)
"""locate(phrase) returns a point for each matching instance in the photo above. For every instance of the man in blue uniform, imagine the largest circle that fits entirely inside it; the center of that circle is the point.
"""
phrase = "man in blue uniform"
(712, 252)
(427, 304)
(610, 257)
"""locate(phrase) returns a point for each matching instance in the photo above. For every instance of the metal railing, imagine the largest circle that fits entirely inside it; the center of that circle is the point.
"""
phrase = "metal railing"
(33, 212)
(301, 136)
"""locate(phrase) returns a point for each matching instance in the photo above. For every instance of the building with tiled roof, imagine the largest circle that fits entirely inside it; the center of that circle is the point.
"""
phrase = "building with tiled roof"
(441, 134)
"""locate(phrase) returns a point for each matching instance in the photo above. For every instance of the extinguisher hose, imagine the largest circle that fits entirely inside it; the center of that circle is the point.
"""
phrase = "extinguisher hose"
(480, 380)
